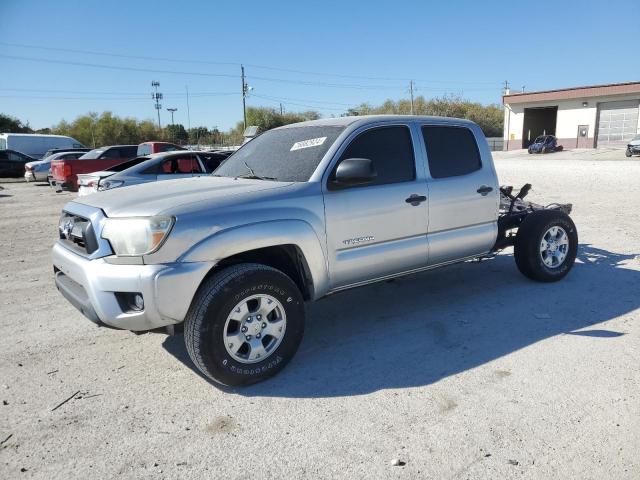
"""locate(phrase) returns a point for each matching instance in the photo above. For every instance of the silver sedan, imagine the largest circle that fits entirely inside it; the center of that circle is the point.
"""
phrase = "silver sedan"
(163, 166)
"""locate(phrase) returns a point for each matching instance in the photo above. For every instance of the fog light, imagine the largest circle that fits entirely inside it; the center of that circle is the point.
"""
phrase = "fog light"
(130, 301)
(138, 302)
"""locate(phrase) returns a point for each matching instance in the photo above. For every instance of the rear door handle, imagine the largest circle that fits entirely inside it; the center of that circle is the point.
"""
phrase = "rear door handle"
(484, 190)
(416, 200)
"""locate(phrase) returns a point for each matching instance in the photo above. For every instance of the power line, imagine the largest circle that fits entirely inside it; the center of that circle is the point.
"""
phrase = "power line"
(133, 94)
(252, 65)
(117, 55)
(41, 97)
(201, 74)
(289, 100)
(279, 100)
(116, 67)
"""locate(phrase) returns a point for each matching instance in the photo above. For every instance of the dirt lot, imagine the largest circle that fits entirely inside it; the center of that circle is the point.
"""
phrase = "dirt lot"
(467, 372)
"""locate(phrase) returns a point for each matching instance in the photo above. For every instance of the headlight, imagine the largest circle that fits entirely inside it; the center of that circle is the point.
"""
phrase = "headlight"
(136, 236)
(107, 184)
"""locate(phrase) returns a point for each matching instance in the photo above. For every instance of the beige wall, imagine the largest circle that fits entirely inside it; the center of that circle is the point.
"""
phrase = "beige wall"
(571, 113)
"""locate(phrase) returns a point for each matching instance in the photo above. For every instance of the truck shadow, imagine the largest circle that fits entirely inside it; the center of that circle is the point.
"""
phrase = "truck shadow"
(419, 329)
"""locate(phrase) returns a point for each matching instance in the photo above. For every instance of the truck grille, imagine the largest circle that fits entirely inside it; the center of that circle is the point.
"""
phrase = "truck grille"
(77, 233)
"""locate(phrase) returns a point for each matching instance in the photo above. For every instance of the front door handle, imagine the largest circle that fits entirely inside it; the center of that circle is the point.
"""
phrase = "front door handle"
(416, 200)
(484, 190)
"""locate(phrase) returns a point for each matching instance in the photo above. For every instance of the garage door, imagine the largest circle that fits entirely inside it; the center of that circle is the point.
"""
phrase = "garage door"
(617, 122)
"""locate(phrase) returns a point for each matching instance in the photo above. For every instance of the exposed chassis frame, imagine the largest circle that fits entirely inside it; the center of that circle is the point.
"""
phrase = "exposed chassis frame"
(513, 210)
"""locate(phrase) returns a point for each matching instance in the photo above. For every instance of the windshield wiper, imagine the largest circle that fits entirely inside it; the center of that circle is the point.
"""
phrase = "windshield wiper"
(252, 175)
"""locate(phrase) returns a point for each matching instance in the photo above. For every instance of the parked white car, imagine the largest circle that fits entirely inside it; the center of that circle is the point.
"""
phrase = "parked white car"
(38, 171)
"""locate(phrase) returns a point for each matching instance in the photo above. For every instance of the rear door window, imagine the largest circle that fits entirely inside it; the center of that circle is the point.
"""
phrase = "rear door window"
(451, 151)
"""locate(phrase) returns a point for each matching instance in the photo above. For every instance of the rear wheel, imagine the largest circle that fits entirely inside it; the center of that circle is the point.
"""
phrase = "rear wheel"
(546, 245)
(244, 324)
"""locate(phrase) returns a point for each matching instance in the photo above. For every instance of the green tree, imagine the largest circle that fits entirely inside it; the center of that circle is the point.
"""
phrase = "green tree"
(176, 133)
(10, 124)
(96, 130)
(489, 117)
(267, 118)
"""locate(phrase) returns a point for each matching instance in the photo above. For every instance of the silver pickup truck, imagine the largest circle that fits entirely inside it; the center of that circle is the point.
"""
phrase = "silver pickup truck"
(300, 212)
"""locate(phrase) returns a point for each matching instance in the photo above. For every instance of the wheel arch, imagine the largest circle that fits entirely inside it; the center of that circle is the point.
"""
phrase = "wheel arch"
(290, 246)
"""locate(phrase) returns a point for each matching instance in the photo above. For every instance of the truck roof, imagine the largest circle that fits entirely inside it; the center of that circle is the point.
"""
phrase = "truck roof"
(364, 119)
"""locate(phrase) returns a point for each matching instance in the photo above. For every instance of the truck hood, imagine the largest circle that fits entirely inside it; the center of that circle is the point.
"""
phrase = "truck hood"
(170, 195)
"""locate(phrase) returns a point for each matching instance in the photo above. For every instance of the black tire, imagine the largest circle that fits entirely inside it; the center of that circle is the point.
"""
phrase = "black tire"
(214, 301)
(627, 153)
(529, 150)
(528, 240)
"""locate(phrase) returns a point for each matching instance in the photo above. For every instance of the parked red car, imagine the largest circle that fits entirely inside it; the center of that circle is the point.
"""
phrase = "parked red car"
(64, 173)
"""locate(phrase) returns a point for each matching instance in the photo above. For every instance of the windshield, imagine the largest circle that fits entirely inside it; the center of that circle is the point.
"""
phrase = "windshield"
(93, 154)
(287, 155)
(539, 139)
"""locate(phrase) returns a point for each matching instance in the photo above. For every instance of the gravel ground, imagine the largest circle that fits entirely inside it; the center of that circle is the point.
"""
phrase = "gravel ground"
(467, 372)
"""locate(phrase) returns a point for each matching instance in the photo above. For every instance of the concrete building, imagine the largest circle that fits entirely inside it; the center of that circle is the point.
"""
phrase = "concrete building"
(580, 117)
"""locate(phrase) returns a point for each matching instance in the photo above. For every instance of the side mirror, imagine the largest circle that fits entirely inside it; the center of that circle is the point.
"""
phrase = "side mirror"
(354, 171)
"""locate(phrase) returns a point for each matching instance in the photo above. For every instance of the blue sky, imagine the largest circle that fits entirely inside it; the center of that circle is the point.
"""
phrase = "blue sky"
(324, 56)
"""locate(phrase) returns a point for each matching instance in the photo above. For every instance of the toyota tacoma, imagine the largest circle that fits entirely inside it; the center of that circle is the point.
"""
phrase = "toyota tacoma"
(298, 213)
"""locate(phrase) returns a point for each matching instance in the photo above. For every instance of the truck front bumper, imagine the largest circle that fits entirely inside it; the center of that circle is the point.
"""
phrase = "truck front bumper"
(95, 288)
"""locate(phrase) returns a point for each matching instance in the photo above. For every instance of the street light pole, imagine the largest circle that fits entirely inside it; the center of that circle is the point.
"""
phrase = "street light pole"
(172, 110)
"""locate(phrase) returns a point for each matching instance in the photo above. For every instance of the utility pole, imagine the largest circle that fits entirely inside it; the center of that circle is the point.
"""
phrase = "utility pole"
(188, 110)
(506, 87)
(214, 136)
(156, 97)
(245, 89)
(411, 93)
(522, 88)
(281, 110)
(172, 110)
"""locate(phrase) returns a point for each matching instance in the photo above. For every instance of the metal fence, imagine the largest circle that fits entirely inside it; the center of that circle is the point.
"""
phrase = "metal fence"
(496, 144)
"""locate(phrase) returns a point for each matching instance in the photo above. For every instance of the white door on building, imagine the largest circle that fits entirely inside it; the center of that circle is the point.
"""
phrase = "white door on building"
(617, 122)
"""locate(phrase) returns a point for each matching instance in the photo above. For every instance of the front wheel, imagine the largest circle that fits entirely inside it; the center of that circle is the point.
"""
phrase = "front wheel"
(244, 325)
(627, 153)
(546, 245)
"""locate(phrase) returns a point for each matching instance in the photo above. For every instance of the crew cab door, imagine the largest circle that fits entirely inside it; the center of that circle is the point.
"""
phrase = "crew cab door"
(463, 193)
(372, 229)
